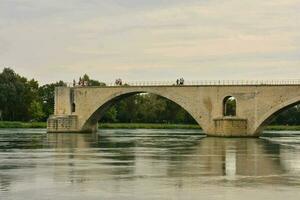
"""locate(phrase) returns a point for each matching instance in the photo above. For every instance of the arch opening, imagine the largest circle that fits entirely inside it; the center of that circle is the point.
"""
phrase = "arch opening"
(141, 107)
(229, 106)
(281, 118)
(73, 107)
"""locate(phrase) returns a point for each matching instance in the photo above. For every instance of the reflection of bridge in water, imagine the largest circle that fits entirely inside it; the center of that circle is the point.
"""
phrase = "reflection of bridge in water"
(114, 158)
(78, 109)
(230, 158)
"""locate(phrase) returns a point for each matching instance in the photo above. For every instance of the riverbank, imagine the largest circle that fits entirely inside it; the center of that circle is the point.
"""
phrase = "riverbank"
(5, 124)
(282, 128)
(147, 126)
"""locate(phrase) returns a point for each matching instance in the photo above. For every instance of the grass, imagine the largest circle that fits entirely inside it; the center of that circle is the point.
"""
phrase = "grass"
(282, 128)
(6, 124)
(147, 126)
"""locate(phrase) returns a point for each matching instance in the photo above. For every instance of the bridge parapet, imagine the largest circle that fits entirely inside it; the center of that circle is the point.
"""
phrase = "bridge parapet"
(202, 83)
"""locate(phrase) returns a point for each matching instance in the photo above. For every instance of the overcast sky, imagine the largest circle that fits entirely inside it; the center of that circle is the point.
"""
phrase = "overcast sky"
(51, 40)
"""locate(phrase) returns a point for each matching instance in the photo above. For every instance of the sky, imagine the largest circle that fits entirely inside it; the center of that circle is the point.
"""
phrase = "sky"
(52, 40)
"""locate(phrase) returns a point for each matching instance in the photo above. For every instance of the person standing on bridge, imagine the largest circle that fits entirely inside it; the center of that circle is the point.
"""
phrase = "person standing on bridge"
(181, 81)
(118, 82)
(85, 83)
(80, 82)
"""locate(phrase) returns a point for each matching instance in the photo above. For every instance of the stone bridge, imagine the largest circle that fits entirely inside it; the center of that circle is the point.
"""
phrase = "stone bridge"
(78, 109)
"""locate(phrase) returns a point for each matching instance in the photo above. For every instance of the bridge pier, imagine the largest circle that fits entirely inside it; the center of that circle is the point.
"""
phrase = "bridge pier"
(230, 127)
(223, 127)
(68, 124)
(62, 123)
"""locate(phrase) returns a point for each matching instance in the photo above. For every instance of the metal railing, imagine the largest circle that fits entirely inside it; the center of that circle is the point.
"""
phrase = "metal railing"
(202, 83)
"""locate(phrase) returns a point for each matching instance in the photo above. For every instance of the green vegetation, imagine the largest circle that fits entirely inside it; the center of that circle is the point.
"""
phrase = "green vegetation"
(282, 128)
(146, 126)
(6, 124)
(24, 100)
(147, 108)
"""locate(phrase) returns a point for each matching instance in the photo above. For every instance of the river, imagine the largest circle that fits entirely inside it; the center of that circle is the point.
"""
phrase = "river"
(147, 164)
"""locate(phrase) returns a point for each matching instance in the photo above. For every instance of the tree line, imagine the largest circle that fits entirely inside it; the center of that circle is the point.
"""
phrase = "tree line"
(23, 99)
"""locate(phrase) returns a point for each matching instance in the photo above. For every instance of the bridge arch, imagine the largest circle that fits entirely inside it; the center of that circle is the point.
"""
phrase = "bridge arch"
(98, 112)
(73, 107)
(271, 114)
(229, 106)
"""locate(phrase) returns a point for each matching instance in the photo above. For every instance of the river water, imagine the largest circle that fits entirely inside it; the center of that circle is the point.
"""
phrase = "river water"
(147, 164)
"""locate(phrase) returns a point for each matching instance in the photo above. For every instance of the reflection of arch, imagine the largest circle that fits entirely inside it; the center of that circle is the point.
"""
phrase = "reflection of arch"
(229, 106)
(99, 112)
(271, 114)
(73, 107)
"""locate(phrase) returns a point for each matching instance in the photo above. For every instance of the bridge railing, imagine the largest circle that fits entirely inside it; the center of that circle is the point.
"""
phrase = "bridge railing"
(203, 83)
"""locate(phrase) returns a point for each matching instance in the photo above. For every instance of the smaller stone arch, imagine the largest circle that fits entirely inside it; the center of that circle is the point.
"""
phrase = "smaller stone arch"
(229, 106)
(73, 107)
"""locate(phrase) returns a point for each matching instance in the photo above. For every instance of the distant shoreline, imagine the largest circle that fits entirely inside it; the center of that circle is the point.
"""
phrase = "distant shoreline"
(6, 124)
(147, 126)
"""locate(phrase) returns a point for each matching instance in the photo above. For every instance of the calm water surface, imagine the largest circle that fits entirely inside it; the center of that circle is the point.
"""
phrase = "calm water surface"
(147, 164)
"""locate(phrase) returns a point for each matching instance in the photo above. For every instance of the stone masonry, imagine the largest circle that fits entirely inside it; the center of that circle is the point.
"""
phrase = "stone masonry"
(78, 109)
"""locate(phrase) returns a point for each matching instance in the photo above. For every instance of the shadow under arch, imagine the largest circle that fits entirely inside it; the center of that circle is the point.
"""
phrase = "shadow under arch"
(100, 112)
(267, 118)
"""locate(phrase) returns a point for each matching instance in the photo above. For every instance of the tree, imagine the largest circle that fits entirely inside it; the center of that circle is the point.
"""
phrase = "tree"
(91, 81)
(36, 111)
(290, 116)
(147, 108)
(13, 96)
(110, 115)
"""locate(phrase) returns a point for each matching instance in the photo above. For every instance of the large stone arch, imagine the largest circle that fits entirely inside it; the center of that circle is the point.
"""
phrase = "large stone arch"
(269, 116)
(256, 106)
(95, 114)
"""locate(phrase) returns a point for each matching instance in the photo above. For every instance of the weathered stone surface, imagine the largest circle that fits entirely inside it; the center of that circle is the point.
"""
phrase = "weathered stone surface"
(63, 123)
(256, 105)
(230, 127)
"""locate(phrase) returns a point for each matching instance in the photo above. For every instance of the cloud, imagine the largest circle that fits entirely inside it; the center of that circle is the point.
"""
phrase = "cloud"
(150, 39)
